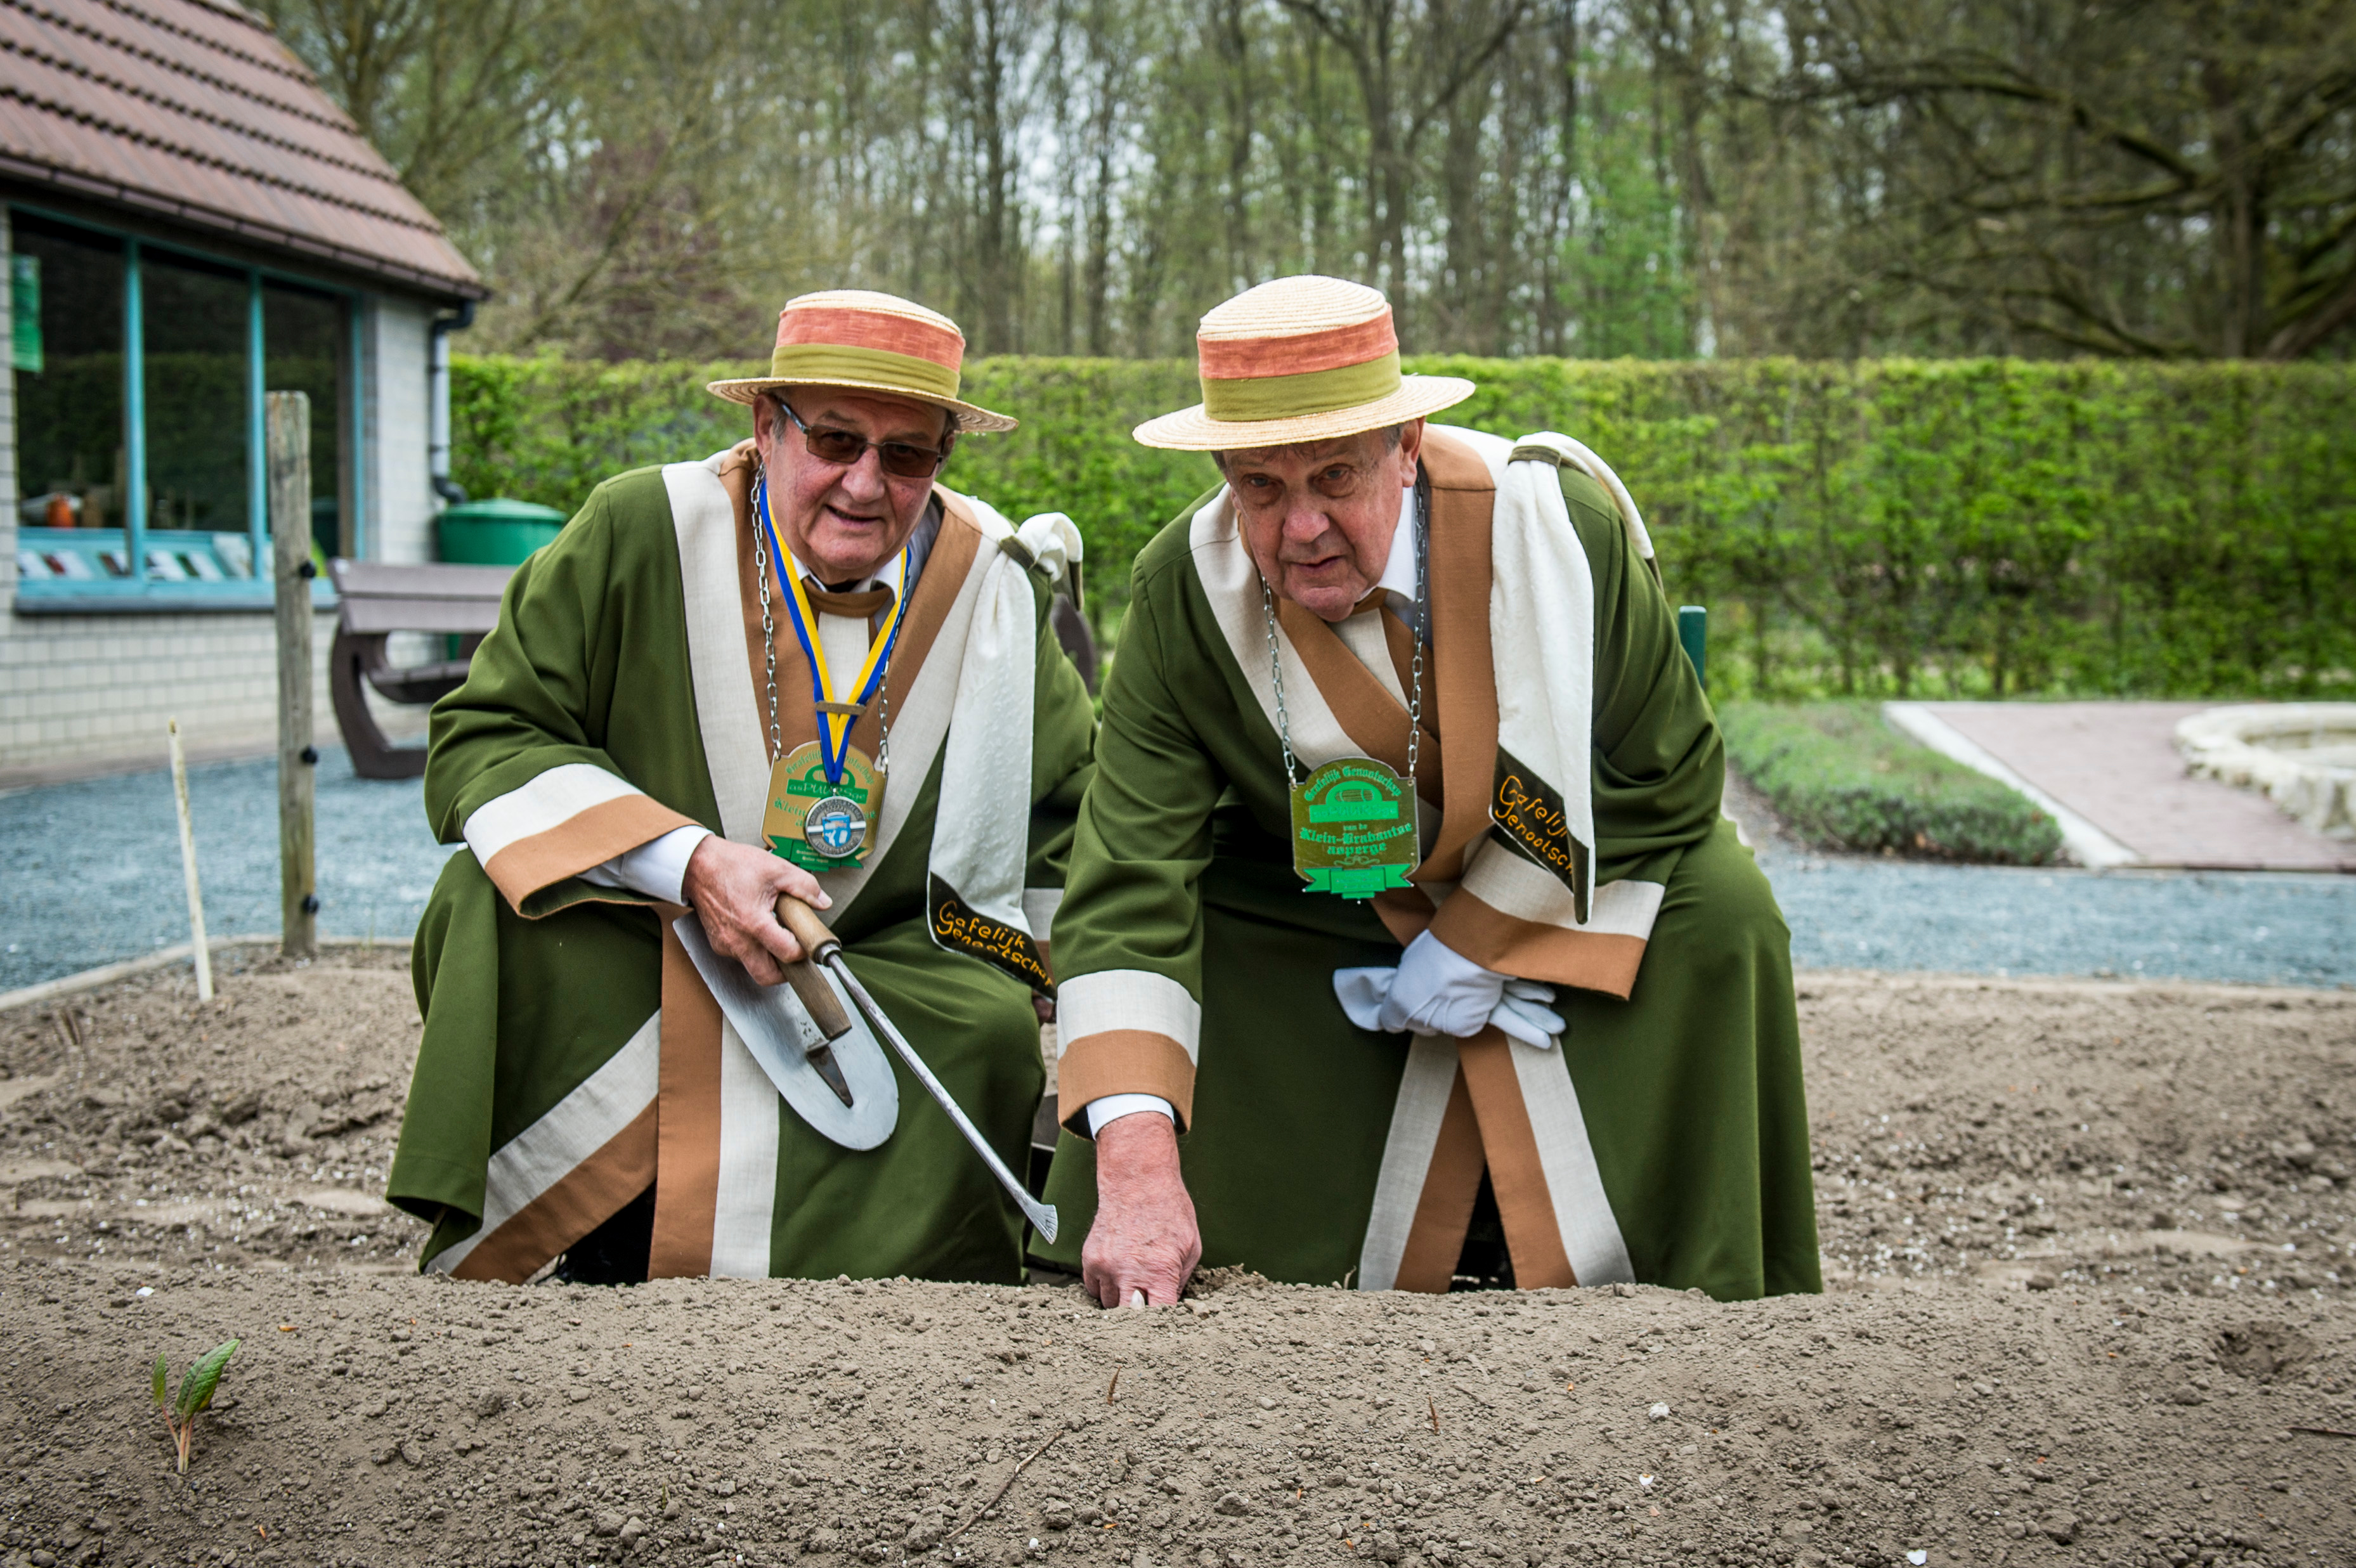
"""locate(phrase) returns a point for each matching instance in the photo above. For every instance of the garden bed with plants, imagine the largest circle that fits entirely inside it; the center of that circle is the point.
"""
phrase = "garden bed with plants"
(1841, 778)
(2087, 1248)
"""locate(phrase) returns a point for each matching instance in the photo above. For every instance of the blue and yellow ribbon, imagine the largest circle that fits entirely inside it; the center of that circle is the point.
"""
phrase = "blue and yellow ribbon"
(833, 728)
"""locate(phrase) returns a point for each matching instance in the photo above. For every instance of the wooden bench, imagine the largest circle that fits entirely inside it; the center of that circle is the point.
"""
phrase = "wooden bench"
(378, 600)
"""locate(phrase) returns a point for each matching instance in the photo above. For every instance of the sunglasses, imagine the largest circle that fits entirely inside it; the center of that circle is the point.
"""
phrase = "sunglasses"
(901, 459)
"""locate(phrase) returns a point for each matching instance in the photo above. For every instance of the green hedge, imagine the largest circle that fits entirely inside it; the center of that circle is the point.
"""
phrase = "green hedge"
(1962, 527)
(1846, 779)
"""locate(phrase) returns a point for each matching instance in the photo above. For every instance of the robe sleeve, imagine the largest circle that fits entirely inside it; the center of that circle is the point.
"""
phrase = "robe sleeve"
(1659, 776)
(517, 767)
(1129, 946)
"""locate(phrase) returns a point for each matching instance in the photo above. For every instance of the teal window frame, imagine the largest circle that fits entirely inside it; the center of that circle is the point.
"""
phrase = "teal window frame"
(139, 590)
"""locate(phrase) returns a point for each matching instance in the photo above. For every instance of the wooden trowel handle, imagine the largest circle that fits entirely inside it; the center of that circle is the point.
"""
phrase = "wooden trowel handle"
(809, 930)
(817, 998)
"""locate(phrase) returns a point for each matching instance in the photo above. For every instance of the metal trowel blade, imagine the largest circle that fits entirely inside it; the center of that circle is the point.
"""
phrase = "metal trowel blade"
(821, 1057)
(844, 1089)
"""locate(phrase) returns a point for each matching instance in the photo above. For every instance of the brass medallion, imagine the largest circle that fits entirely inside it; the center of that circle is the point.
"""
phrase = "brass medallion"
(822, 825)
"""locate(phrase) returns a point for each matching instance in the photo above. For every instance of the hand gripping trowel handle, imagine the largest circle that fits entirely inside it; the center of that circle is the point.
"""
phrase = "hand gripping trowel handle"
(824, 948)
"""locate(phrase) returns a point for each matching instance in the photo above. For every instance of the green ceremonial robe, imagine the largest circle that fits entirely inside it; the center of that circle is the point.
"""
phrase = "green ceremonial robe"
(1667, 1141)
(571, 1057)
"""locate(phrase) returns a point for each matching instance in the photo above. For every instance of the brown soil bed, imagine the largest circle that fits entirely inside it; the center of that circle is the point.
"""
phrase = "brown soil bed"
(2087, 1243)
(139, 1124)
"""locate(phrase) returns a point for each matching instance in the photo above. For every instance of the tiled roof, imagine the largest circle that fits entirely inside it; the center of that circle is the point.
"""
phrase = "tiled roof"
(194, 110)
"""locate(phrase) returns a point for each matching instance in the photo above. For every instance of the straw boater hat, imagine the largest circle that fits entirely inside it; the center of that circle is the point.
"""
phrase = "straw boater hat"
(872, 343)
(1304, 358)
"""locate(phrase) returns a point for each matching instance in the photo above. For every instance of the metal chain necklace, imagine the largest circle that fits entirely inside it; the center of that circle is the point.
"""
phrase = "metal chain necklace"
(883, 690)
(768, 641)
(1355, 831)
(829, 825)
(1276, 663)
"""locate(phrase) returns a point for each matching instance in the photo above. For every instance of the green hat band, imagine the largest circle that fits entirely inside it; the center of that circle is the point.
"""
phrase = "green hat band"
(830, 362)
(1258, 399)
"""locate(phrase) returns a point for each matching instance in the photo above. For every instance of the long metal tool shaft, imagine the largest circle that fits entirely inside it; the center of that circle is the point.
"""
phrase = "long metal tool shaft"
(1041, 1215)
(822, 946)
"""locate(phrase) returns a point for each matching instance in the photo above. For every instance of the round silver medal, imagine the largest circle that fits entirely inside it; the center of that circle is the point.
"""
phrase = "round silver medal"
(835, 827)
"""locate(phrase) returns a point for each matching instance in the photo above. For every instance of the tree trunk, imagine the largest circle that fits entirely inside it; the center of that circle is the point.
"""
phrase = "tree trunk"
(1234, 56)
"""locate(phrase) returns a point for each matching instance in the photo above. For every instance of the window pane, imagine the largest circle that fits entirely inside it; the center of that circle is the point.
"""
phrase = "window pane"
(70, 412)
(195, 331)
(304, 344)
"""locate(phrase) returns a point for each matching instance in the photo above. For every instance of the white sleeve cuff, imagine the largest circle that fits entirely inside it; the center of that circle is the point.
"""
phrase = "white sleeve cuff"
(1113, 1107)
(657, 868)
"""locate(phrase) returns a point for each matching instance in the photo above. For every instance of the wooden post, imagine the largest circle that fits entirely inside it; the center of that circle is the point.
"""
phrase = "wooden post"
(189, 867)
(289, 417)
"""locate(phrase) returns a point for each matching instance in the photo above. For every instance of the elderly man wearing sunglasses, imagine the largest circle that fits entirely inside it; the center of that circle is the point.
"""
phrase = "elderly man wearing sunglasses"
(801, 668)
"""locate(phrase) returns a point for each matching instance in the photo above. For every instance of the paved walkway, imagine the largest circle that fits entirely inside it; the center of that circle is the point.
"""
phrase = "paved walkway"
(95, 875)
(2115, 764)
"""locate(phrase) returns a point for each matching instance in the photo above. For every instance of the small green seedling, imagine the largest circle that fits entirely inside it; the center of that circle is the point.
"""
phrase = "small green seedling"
(197, 1386)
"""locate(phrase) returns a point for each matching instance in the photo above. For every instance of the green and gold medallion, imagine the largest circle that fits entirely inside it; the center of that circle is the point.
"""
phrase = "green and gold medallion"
(1353, 829)
(822, 824)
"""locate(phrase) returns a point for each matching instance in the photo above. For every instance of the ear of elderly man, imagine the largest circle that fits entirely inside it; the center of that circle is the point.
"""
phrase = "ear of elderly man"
(1398, 939)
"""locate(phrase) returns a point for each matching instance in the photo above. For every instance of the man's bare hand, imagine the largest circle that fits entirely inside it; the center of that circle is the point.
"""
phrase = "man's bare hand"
(734, 890)
(1144, 1244)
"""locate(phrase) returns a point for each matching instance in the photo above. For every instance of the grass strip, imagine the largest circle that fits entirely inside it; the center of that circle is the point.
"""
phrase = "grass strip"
(1846, 779)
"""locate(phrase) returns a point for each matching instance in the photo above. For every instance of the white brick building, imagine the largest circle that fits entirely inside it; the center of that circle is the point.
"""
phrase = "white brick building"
(190, 223)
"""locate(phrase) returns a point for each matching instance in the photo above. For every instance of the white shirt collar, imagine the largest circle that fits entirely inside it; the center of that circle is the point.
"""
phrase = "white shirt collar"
(1399, 571)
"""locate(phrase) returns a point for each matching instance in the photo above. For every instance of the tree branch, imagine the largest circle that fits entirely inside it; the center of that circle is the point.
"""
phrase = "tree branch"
(1926, 77)
(2294, 340)
(1467, 67)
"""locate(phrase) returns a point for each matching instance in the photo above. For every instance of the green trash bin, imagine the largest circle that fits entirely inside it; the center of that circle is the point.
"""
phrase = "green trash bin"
(497, 532)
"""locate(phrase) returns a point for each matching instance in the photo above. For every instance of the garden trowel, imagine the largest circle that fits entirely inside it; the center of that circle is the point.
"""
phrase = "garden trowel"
(822, 948)
(824, 1061)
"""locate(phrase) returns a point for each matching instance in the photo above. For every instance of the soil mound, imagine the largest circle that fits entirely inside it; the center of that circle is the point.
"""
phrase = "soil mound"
(2088, 1246)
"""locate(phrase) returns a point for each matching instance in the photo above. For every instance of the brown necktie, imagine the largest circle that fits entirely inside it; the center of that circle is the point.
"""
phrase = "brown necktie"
(867, 604)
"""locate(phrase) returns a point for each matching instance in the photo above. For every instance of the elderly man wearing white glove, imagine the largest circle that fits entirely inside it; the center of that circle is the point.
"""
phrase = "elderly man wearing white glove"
(1401, 893)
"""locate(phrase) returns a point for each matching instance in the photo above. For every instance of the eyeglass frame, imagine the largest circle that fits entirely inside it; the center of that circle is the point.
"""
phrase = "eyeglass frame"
(940, 455)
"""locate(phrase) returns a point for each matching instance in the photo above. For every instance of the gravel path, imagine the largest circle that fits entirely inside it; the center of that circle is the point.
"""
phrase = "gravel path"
(94, 867)
(2266, 928)
(1863, 912)
(95, 878)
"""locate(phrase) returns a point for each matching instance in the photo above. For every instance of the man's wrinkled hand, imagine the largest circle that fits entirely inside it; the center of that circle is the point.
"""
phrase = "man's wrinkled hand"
(1144, 1244)
(734, 889)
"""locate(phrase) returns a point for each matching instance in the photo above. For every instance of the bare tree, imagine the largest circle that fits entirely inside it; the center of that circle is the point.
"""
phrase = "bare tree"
(2049, 159)
(1817, 178)
(1411, 60)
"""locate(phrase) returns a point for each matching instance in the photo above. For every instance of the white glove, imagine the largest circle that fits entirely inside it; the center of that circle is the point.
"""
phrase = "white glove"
(1437, 990)
(1525, 1012)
